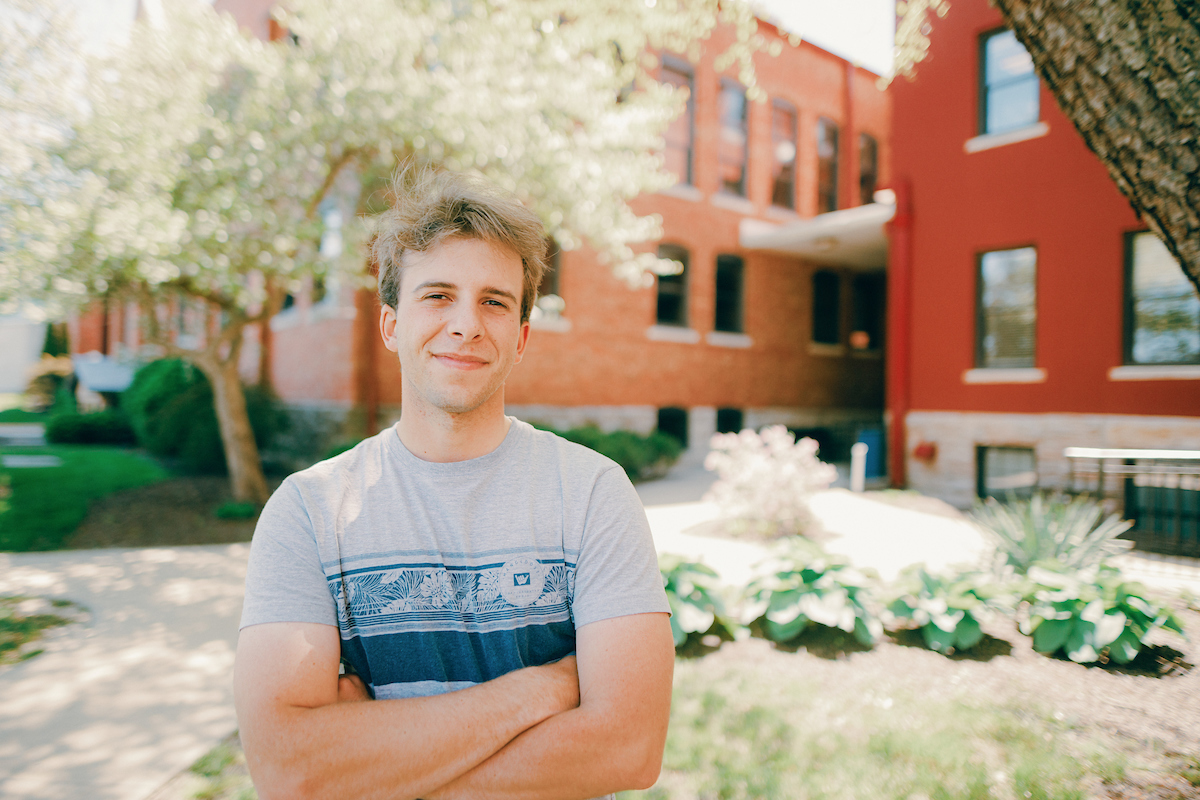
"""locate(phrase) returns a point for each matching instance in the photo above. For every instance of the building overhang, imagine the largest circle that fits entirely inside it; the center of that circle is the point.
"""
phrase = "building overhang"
(852, 237)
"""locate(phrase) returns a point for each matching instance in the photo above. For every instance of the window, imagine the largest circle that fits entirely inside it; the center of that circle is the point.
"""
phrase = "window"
(783, 155)
(1162, 309)
(868, 311)
(868, 168)
(827, 308)
(827, 165)
(1009, 86)
(1007, 308)
(680, 132)
(729, 420)
(674, 423)
(672, 289)
(550, 278)
(729, 294)
(1004, 471)
(731, 149)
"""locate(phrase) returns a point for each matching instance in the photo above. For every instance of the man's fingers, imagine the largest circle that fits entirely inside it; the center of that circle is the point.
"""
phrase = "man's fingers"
(351, 689)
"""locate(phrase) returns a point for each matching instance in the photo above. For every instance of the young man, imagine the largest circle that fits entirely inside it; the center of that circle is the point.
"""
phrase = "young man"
(492, 589)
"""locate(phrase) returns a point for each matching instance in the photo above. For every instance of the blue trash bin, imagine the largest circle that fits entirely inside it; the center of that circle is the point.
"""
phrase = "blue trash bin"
(873, 439)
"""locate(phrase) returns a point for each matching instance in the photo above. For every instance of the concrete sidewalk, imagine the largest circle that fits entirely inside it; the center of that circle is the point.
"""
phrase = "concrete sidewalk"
(118, 705)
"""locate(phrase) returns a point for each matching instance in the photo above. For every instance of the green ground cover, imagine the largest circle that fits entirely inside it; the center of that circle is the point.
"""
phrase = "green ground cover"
(20, 626)
(21, 415)
(48, 503)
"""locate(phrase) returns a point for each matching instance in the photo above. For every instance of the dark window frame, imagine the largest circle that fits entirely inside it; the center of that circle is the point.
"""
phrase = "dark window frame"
(1128, 324)
(725, 84)
(722, 304)
(725, 415)
(681, 280)
(674, 414)
(980, 328)
(824, 124)
(865, 196)
(876, 314)
(682, 67)
(836, 303)
(780, 104)
(982, 88)
(551, 282)
(981, 471)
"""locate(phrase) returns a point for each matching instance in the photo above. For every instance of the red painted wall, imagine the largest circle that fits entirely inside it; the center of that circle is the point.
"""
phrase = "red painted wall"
(1050, 192)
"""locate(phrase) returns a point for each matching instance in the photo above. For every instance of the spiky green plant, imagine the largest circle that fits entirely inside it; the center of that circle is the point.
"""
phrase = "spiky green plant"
(1052, 528)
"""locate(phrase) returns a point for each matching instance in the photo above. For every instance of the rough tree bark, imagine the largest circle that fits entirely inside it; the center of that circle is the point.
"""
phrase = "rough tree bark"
(1127, 73)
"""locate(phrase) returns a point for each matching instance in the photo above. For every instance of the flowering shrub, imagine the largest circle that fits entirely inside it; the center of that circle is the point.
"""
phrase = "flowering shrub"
(765, 479)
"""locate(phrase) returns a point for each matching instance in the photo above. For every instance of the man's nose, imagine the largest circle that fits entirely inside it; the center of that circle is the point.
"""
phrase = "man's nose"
(467, 321)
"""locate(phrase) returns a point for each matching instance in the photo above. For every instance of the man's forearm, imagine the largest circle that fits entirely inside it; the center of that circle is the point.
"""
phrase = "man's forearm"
(401, 748)
(570, 756)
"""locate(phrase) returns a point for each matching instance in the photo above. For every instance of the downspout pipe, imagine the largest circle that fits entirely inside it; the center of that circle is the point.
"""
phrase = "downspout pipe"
(899, 331)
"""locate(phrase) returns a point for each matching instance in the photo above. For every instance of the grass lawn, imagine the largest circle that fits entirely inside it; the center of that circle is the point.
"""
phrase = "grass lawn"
(21, 415)
(48, 503)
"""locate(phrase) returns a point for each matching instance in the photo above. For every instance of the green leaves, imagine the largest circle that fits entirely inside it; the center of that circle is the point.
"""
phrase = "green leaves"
(694, 595)
(947, 608)
(802, 584)
(1091, 614)
(1048, 527)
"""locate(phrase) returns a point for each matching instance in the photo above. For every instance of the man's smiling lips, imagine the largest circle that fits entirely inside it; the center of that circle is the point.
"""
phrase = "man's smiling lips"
(460, 360)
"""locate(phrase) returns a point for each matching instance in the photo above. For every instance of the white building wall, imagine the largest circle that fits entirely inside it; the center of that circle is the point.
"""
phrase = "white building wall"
(951, 474)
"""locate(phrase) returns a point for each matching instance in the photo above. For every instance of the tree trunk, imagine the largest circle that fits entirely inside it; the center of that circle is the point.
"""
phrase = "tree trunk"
(241, 453)
(266, 345)
(1127, 74)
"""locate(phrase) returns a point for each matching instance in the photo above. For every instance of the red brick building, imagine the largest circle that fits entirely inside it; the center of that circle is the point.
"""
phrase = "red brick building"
(1030, 309)
(777, 315)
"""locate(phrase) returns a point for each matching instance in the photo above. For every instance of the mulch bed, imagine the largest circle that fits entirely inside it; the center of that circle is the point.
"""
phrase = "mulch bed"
(179, 511)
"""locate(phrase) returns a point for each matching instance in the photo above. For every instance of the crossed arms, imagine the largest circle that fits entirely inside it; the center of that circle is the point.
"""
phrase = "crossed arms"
(580, 728)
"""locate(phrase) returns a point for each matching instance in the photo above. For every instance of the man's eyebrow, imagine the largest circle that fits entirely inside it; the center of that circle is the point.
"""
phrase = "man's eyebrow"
(444, 285)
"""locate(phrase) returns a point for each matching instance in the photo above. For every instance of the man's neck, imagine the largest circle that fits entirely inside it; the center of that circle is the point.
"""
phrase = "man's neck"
(435, 435)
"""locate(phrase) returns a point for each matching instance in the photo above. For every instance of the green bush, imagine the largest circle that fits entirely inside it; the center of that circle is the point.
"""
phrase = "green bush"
(947, 608)
(170, 405)
(236, 510)
(695, 598)
(103, 427)
(340, 447)
(803, 584)
(1091, 614)
(641, 457)
(1051, 527)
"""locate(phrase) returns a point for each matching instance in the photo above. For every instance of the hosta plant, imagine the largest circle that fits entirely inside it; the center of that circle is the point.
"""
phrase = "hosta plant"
(1073, 531)
(694, 594)
(801, 584)
(947, 608)
(1091, 614)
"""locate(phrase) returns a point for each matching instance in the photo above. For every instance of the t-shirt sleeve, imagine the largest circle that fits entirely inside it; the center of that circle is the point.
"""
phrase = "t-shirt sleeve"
(617, 572)
(284, 579)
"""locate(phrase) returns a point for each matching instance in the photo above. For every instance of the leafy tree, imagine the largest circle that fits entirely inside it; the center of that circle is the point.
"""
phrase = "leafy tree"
(1125, 73)
(186, 168)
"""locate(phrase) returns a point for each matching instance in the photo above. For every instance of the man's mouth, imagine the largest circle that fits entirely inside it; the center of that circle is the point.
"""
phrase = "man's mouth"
(459, 360)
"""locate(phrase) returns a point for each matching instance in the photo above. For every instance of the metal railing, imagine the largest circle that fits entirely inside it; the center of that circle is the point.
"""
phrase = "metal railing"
(1159, 490)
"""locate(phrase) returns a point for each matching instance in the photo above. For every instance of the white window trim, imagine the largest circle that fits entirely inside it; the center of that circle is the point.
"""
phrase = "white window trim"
(822, 349)
(549, 323)
(683, 191)
(989, 140)
(1005, 375)
(733, 202)
(1155, 372)
(728, 339)
(673, 333)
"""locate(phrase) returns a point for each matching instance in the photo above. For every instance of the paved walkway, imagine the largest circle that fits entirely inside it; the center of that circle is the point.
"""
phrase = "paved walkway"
(116, 707)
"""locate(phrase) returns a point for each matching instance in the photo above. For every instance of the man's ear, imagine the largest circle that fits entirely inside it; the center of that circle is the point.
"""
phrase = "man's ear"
(522, 341)
(387, 327)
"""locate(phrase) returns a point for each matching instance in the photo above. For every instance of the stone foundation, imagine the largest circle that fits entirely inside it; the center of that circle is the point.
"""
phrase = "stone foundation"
(951, 474)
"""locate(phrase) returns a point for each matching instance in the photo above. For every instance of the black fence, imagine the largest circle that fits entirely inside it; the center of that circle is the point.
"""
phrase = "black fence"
(1158, 489)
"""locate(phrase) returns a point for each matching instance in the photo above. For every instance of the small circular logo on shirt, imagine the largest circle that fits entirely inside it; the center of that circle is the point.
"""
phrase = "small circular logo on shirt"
(521, 581)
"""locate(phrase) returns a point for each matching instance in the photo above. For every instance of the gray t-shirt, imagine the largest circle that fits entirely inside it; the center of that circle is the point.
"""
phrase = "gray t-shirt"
(443, 575)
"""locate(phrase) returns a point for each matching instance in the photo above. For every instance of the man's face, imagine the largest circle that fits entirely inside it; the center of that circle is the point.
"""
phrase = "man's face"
(457, 326)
